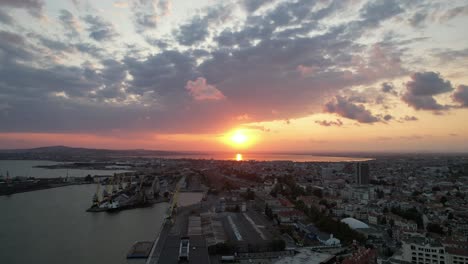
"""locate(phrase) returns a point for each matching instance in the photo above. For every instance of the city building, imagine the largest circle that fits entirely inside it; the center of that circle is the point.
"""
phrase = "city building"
(420, 250)
(362, 173)
(362, 256)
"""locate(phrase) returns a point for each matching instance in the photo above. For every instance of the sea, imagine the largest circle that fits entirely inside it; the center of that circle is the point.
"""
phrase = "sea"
(263, 157)
(27, 168)
(52, 227)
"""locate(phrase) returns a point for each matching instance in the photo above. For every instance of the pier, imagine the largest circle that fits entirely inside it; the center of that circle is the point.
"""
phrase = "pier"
(160, 240)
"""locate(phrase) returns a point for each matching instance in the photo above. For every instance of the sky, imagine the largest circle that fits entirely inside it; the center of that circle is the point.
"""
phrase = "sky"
(232, 75)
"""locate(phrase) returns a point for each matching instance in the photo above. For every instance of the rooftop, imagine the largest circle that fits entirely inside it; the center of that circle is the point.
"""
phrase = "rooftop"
(354, 223)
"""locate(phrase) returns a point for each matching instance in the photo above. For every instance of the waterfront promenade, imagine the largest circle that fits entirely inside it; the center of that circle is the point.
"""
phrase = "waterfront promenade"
(160, 240)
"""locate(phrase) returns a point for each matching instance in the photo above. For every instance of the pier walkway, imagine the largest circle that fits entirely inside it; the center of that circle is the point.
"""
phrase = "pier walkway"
(159, 242)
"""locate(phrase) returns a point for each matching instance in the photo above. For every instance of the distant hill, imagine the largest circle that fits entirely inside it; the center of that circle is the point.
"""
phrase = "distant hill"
(64, 152)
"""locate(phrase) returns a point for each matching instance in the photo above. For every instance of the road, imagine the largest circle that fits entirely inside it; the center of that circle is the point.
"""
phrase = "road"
(165, 230)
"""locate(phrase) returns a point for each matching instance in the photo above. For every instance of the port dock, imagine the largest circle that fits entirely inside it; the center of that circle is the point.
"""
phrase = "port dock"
(160, 240)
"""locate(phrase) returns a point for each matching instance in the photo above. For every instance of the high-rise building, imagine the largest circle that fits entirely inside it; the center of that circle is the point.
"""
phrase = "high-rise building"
(362, 173)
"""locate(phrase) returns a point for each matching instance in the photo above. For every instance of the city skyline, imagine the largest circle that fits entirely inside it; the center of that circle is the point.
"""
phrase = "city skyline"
(235, 75)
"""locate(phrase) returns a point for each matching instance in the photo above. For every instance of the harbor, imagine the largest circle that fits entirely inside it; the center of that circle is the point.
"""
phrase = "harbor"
(51, 226)
(122, 193)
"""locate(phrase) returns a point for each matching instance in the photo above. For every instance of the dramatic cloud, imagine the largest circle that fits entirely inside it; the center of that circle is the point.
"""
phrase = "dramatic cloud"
(13, 48)
(212, 69)
(408, 118)
(422, 102)
(197, 29)
(193, 32)
(70, 23)
(34, 7)
(344, 108)
(428, 83)
(421, 89)
(417, 19)
(99, 29)
(376, 11)
(147, 13)
(252, 5)
(388, 88)
(450, 55)
(5, 18)
(326, 123)
(387, 117)
(201, 91)
(454, 12)
(461, 95)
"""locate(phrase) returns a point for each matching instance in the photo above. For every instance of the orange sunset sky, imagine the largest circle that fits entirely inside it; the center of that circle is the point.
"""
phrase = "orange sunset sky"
(316, 76)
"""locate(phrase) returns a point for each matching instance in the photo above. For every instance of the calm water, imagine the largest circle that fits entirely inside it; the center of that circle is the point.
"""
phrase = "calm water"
(26, 168)
(51, 226)
(265, 157)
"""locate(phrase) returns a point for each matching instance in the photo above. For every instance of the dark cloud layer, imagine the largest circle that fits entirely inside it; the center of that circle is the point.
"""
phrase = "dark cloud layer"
(5, 18)
(252, 5)
(422, 88)
(198, 28)
(344, 108)
(461, 95)
(278, 64)
(417, 20)
(34, 7)
(408, 118)
(147, 13)
(70, 23)
(99, 29)
(326, 123)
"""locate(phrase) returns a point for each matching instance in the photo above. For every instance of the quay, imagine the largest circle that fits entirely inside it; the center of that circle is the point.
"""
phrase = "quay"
(160, 240)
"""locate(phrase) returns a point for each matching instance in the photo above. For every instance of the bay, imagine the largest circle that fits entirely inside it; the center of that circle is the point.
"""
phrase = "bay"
(52, 226)
(27, 168)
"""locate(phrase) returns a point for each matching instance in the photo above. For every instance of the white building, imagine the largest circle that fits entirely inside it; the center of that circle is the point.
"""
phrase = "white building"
(420, 250)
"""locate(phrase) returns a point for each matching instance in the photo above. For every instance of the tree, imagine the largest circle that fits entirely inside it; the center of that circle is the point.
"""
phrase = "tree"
(436, 189)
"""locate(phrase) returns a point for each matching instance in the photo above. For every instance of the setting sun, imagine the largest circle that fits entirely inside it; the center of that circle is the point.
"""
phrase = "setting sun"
(239, 138)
